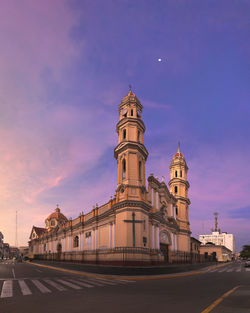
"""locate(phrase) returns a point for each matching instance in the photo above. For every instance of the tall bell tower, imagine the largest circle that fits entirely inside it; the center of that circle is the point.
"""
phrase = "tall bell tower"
(179, 186)
(130, 153)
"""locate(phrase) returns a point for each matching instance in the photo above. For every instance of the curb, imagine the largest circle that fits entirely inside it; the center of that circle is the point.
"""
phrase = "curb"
(132, 278)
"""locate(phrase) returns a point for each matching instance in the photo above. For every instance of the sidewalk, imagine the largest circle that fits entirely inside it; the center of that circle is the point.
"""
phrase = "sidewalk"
(128, 270)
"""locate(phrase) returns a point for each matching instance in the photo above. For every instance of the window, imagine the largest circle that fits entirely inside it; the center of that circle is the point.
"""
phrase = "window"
(132, 112)
(139, 136)
(52, 223)
(124, 134)
(181, 173)
(44, 247)
(76, 242)
(140, 175)
(176, 174)
(123, 169)
(175, 189)
(176, 210)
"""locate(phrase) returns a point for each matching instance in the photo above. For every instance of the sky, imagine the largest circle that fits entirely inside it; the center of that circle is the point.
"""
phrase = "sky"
(66, 65)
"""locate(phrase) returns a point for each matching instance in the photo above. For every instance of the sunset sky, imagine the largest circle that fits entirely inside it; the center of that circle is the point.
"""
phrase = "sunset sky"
(66, 65)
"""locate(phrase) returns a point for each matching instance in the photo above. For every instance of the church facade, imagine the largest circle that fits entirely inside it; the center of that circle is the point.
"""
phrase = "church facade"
(142, 224)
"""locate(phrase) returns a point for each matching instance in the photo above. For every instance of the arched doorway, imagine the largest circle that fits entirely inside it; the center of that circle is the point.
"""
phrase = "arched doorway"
(165, 241)
(59, 250)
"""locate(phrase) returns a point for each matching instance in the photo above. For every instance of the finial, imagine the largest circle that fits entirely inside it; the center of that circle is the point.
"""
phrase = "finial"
(179, 150)
(130, 87)
(57, 208)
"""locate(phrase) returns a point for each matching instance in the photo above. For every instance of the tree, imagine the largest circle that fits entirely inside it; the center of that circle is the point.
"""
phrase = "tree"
(245, 253)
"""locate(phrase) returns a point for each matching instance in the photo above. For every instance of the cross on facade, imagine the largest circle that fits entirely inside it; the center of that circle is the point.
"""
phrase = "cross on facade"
(133, 221)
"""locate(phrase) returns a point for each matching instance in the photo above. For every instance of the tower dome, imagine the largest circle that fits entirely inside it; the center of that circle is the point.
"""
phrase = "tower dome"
(55, 219)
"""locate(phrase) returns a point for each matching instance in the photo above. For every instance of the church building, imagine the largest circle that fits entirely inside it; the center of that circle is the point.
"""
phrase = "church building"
(142, 224)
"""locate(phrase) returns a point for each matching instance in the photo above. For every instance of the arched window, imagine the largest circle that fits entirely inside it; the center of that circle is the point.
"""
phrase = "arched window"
(76, 242)
(175, 189)
(140, 174)
(124, 134)
(176, 174)
(123, 169)
(139, 136)
(132, 112)
(181, 173)
(176, 210)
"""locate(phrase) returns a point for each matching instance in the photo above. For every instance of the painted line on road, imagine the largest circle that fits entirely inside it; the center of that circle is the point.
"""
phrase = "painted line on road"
(7, 290)
(133, 278)
(219, 300)
(13, 272)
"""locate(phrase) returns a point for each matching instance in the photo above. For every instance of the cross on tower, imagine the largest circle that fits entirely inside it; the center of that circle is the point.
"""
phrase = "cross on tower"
(133, 221)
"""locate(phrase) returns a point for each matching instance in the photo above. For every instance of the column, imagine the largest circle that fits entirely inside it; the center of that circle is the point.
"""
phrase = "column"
(113, 233)
(93, 240)
(153, 236)
(157, 200)
(110, 234)
(82, 240)
(70, 243)
(152, 196)
(96, 236)
(158, 237)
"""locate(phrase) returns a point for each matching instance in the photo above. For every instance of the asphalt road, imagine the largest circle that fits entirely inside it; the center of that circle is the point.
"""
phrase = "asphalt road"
(27, 288)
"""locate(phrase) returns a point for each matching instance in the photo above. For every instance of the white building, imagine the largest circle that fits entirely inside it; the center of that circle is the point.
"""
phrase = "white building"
(218, 238)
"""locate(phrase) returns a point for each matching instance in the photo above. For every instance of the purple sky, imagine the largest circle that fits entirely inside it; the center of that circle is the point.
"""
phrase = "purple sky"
(65, 66)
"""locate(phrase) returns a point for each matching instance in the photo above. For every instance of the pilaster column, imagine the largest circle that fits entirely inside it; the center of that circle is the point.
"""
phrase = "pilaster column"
(153, 236)
(113, 234)
(110, 235)
(157, 237)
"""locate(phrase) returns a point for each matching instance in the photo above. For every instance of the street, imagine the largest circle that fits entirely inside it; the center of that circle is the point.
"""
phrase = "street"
(31, 288)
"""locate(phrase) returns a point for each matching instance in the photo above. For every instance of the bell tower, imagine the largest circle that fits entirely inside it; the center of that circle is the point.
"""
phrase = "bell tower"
(130, 153)
(179, 186)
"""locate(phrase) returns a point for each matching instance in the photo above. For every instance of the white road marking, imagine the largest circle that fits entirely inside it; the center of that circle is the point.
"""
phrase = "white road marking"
(238, 269)
(40, 286)
(39, 271)
(230, 270)
(13, 272)
(67, 283)
(223, 270)
(7, 290)
(55, 285)
(81, 283)
(104, 281)
(94, 282)
(247, 269)
(24, 288)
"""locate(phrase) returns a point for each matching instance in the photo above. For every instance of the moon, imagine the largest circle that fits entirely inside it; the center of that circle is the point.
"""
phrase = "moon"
(159, 60)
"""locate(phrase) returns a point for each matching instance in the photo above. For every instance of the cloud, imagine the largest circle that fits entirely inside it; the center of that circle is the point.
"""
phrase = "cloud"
(240, 213)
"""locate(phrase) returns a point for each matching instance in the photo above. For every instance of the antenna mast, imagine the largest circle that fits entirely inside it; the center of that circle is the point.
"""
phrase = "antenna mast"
(216, 221)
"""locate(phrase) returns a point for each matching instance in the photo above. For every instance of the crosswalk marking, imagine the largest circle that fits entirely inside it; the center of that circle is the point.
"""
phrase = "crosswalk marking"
(28, 286)
(223, 270)
(105, 281)
(24, 288)
(7, 290)
(81, 283)
(238, 269)
(40, 286)
(67, 283)
(94, 283)
(230, 270)
(55, 285)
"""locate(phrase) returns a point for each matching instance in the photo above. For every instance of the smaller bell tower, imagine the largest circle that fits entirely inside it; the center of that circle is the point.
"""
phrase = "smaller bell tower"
(130, 153)
(179, 186)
